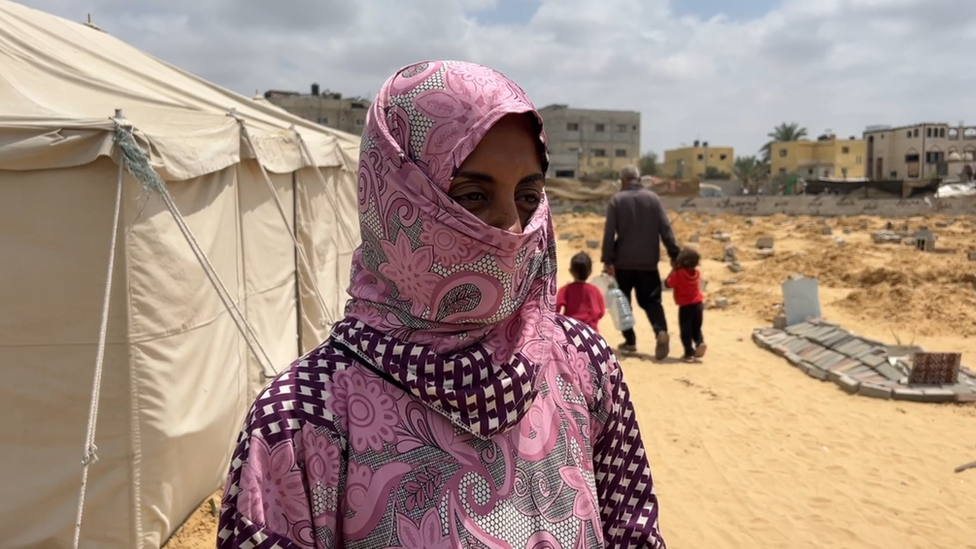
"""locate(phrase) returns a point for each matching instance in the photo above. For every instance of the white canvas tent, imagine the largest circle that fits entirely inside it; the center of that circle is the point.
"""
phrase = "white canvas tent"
(178, 375)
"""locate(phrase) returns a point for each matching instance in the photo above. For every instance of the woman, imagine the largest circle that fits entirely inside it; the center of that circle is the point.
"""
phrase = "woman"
(451, 407)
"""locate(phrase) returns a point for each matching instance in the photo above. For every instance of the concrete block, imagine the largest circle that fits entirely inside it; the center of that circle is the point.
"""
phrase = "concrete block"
(871, 390)
(765, 252)
(730, 282)
(794, 358)
(813, 371)
(840, 241)
(779, 322)
(722, 302)
(848, 384)
(971, 255)
(765, 241)
(801, 300)
(722, 237)
(827, 231)
(694, 238)
(890, 372)
(910, 395)
(939, 395)
(735, 267)
(966, 398)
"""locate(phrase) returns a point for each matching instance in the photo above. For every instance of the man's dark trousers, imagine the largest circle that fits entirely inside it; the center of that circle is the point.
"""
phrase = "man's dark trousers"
(647, 289)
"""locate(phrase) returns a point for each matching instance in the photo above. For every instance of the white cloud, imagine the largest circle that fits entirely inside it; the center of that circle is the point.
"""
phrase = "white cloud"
(839, 64)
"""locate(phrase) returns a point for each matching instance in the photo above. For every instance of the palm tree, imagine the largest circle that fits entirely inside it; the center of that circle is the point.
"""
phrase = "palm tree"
(749, 170)
(784, 132)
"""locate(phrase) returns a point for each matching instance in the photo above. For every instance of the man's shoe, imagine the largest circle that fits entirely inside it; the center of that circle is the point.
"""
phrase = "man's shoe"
(627, 349)
(663, 348)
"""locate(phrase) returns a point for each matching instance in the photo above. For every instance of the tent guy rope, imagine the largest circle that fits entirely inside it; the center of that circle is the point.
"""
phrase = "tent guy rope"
(284, 217)
(91, 450)
(137, 163)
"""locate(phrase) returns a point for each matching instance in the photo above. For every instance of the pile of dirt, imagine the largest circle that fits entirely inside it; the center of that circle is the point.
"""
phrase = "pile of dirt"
(199, 530)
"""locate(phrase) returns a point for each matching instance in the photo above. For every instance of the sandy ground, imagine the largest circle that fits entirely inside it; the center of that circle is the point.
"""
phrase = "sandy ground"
(750, 452)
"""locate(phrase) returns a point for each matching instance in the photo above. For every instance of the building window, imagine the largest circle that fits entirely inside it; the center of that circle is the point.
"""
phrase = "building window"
(723, 157)
(915, 132)
(782, 153)
(928, 132)
(701, 157)
(572, 127)
(573, 149)
(970, 133)
(601, 127)
(634, 127)
(622, 128)
(810, 171)
(324, 120)
(782, 170)
(893, 174)
(357, 106)
(942, 132)
(953, 133)
(599, 153)
(857, 160)
(359, 121)
(566, 174)
(908, 134)
(933, 157)
(620, 153)
(845, 150)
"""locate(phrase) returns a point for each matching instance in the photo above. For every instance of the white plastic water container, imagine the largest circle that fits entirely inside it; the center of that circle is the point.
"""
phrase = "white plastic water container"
(619, 308)
(603, 281)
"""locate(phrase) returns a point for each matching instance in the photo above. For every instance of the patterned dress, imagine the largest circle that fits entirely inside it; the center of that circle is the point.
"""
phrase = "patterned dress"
(334, 455)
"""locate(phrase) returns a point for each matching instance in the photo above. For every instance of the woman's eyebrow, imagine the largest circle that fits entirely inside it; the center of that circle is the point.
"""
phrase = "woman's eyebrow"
(476, 176)
(534, 178)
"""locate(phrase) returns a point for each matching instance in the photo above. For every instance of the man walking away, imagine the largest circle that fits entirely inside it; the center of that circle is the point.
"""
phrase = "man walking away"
(636, 222)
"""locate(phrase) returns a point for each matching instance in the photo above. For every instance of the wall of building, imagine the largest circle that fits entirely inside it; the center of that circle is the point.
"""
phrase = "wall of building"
(601, 140)
(341, 113)
(893, 146)
(813, 159)
(829, 206)
(695, 160)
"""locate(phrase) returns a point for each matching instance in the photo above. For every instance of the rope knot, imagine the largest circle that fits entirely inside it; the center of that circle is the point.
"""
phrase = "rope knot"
(91, 455)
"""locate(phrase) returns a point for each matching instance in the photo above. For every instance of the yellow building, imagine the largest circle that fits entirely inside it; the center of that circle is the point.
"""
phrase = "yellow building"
(694, 161)
(829, 157)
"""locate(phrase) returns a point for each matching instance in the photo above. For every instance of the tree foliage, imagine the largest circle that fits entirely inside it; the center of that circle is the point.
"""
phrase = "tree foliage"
(648, 164)
(786, 131)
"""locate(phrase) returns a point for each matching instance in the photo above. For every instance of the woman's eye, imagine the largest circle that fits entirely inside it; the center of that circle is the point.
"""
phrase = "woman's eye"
(470, 197)
(531, 198)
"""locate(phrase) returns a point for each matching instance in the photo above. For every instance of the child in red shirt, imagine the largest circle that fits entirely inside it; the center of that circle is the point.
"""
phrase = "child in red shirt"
(684, 283)
(580, 299)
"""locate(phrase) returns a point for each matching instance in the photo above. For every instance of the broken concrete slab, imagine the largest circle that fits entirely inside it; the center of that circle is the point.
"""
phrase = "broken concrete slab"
(729, 254)
(765, 252)
(827, 231)
(971, 255)
(779, 322)
(722, 237)
(908, 394)
(735, 267)
(592, 244)
(939, 395)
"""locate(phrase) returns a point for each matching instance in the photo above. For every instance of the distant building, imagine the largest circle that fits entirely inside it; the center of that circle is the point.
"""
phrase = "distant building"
(327, 108)
(825, 157)
(694, 161)
(590, 141)
(916, 152)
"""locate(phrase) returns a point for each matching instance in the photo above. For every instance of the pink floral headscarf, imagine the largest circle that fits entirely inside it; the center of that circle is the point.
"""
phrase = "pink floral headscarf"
(431, 277)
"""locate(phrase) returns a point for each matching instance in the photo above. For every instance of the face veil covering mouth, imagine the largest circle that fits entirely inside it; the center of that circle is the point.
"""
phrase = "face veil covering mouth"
(458, 313)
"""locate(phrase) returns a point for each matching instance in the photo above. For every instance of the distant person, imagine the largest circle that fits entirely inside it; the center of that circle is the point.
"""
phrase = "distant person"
(580, 299)
(636, 222)
(684, 282)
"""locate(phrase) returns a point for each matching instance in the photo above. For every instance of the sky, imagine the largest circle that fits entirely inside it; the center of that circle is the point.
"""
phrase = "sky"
(723, 71)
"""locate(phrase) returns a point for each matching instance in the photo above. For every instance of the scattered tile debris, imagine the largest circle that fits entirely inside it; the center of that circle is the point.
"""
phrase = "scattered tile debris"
(592, 244)
(764, 242)
(862, 366)
(722, 237)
